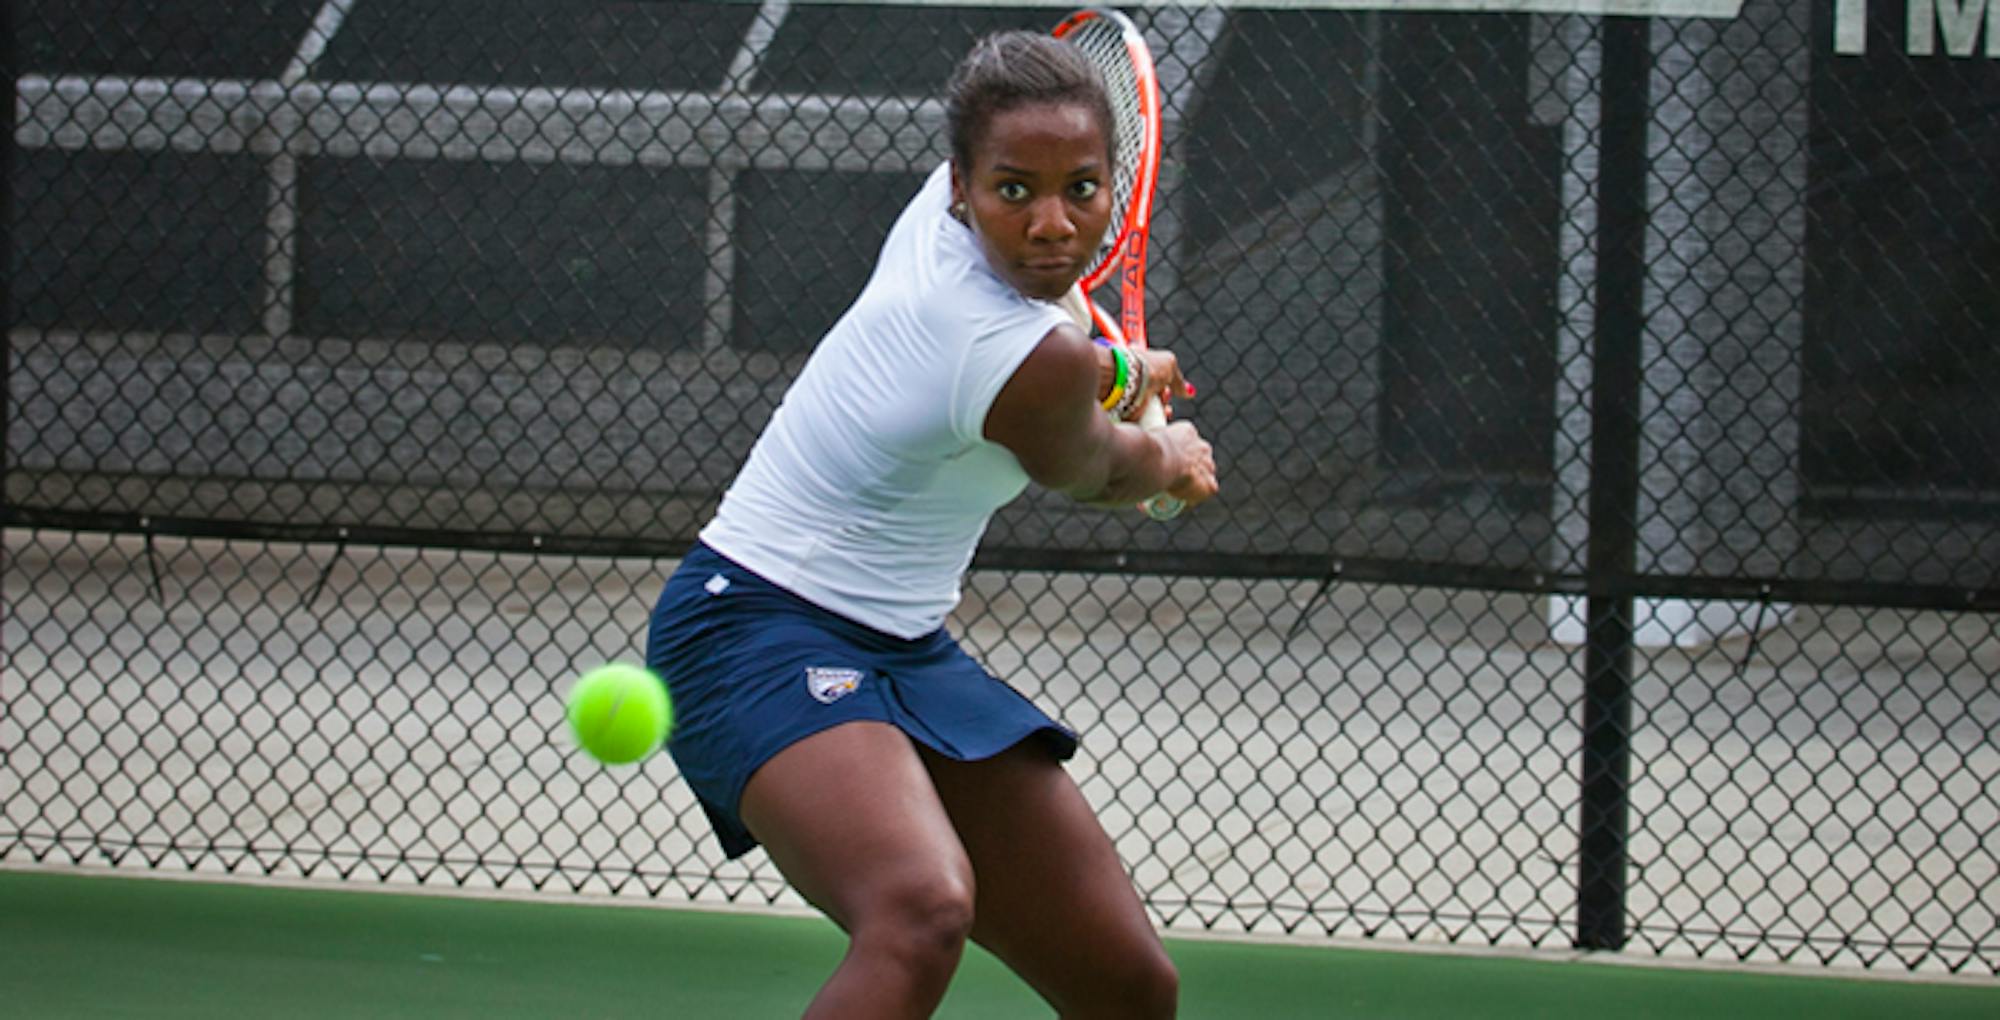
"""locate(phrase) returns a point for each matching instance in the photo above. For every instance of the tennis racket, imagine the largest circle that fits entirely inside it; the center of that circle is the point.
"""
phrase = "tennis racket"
(1113, 44)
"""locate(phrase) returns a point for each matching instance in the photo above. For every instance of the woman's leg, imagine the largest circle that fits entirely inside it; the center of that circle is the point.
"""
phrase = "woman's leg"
(1054, 901)
(850, 816)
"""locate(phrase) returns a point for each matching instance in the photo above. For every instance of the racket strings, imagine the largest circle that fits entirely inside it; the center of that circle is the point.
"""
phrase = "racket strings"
(1104, 45)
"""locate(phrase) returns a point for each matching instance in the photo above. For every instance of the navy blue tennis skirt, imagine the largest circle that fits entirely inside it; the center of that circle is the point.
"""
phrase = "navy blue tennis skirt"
(753, 669)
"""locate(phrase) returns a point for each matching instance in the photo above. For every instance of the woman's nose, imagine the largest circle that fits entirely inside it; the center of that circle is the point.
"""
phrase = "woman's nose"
(1050, 221)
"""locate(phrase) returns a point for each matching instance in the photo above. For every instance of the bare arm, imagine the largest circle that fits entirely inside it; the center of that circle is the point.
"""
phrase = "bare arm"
(1049, 415)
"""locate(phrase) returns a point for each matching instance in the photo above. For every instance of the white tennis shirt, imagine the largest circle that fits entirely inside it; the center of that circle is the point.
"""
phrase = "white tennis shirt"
(869, 489)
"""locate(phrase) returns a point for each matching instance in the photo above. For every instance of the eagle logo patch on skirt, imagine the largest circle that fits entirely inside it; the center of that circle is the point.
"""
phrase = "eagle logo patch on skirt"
(829, 684)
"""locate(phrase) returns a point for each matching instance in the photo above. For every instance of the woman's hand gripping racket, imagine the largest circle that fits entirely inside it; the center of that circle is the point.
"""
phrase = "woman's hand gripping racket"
(1115, 46)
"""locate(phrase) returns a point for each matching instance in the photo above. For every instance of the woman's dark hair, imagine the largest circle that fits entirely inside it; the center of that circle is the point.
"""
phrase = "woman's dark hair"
(1007, 70)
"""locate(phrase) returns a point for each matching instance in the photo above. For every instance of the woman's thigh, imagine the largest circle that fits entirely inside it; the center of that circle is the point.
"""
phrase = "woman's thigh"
(851, 818)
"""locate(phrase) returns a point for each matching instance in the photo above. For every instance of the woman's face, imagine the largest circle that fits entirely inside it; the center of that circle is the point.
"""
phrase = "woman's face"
(1038, 195)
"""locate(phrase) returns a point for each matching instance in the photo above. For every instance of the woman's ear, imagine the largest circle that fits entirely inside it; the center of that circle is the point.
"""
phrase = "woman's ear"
(957, 207)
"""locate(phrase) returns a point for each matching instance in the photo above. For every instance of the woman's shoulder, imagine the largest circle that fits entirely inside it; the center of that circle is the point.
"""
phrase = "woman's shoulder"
(933, 272)
(944, 280)
(965, 299)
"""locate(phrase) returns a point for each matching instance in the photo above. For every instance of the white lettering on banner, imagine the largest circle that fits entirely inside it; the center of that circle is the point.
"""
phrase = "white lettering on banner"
(1850, 27)
(1960, 21)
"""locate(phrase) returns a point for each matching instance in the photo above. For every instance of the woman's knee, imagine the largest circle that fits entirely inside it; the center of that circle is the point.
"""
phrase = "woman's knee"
(1156, 985)
(924, 920)
(1141, 984)
(1151, 985)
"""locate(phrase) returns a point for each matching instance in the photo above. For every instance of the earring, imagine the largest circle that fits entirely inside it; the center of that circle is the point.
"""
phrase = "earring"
(958, 211)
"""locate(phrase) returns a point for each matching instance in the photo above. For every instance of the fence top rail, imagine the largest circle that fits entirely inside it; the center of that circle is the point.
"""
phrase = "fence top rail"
(533, 124)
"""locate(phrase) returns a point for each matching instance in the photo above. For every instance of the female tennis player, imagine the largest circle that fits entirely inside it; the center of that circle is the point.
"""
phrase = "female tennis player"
(823, 711)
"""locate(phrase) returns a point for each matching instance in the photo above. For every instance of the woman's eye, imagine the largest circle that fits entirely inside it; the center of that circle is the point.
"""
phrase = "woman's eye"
(1013, 191)
(1084, 189)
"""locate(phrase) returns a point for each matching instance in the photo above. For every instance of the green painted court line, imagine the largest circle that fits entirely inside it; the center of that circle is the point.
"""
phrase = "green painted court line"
(86, 946)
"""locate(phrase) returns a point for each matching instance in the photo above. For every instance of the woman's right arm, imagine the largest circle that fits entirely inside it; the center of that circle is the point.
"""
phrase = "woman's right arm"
(1048, 414)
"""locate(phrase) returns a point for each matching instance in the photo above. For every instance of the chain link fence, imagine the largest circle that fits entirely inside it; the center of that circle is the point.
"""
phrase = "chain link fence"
(1607, 548)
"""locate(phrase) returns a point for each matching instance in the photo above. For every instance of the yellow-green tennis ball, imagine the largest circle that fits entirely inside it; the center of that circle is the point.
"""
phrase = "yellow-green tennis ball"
(620, 713)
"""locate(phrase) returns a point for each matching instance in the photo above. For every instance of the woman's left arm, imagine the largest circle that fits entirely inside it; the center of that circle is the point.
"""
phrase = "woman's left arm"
(1048, 413)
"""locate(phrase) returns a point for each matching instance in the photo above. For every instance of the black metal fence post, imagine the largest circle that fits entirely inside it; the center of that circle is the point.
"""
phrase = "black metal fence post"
(9, 70)
(1614, 486)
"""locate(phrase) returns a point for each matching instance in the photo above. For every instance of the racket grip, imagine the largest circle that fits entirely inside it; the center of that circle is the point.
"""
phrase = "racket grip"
(1160, 507)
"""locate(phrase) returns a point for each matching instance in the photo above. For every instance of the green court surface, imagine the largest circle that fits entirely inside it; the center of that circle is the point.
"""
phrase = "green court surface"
(87, 946)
